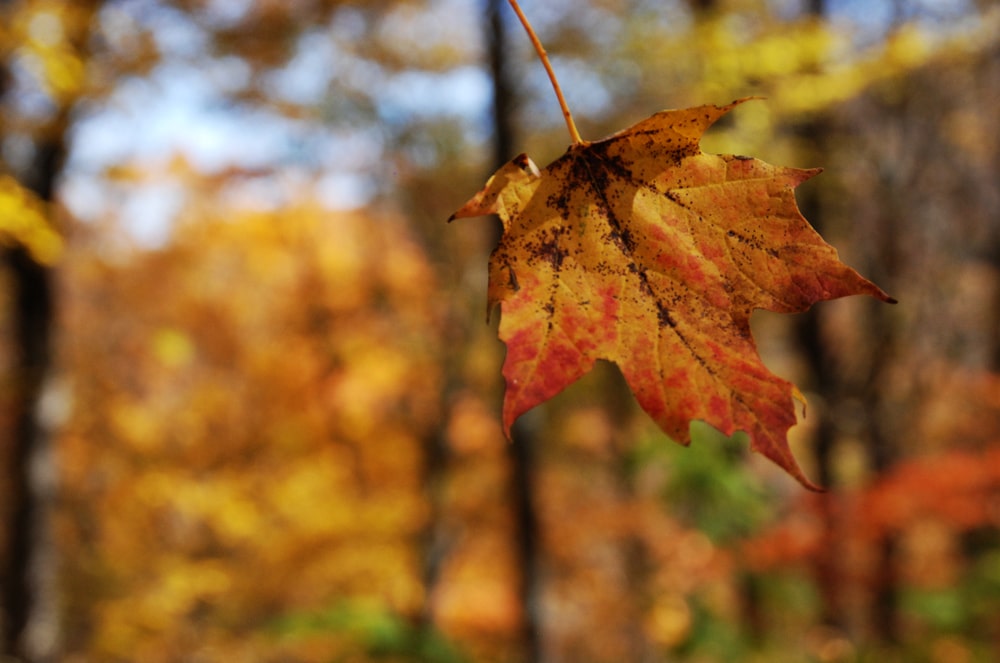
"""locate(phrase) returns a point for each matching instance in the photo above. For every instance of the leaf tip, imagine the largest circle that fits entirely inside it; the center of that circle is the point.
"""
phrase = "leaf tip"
(800, 175)
(775, 448)
(791, 466)
(490, 305)
(801, 398)
(508, 422)
(881, 295)
(809, 485)
(525, 164)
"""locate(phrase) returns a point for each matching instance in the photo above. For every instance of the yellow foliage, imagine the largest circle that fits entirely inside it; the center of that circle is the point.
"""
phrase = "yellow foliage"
(173, 347)
(24, 220)
(271, 440)
(670, 620)
(134, 425)
(800, 67)
(48, 33)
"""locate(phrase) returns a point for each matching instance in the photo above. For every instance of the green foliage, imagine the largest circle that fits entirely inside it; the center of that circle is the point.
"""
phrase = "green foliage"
(712, 638)
(372, 629)
(709, 485)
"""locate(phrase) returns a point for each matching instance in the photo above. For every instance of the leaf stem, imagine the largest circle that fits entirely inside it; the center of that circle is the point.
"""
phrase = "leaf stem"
(544, 57)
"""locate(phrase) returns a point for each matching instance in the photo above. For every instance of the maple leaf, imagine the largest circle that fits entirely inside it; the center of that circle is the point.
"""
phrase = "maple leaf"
(643, 250)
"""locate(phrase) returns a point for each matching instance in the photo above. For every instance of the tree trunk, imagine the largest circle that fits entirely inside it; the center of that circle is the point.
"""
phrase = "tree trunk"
(26, 540)
(523, 436)
(31, 312)
(827, 382)
(32, 307)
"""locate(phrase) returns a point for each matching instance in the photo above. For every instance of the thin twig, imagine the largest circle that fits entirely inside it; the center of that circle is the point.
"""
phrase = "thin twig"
(573, 133)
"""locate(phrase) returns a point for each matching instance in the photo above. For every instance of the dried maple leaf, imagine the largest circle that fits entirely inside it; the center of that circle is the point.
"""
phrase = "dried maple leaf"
(643, 250)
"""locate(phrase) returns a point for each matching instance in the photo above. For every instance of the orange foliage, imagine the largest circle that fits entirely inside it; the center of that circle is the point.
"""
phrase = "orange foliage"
(960, 490)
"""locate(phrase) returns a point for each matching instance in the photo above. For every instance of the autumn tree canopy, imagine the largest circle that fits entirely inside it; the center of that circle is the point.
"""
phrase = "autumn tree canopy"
(268, 419)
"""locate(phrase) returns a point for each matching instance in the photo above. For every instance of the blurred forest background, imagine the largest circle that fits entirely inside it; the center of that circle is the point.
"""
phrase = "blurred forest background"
(249, 404)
